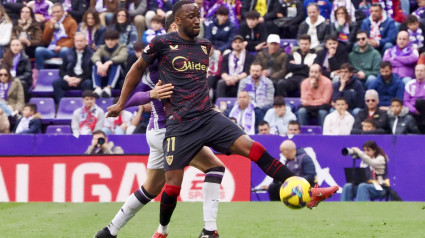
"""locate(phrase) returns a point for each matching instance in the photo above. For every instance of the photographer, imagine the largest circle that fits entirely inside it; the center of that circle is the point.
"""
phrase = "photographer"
(376, 160)
(101, 146)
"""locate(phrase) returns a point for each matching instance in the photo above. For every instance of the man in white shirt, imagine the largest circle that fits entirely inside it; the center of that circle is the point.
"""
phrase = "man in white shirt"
(338, 122)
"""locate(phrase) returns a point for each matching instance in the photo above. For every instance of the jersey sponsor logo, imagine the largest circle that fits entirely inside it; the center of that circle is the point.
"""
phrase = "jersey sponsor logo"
(182, 64)
(169, 159)
(204, 49)
(175, 47)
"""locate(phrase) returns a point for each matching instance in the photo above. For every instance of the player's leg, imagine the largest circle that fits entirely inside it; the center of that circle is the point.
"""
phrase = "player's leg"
(214, 169)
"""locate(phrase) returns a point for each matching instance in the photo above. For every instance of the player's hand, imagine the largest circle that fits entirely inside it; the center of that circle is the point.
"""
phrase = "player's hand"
(161, 91)
(114, 110)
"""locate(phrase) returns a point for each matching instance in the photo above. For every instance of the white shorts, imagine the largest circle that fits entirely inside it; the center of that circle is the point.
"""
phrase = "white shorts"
(156, 153)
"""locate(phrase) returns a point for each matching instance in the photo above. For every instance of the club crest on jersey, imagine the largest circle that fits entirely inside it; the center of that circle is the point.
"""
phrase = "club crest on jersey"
(146, 49)
(175, 47)
(204, 49)
(169, 159)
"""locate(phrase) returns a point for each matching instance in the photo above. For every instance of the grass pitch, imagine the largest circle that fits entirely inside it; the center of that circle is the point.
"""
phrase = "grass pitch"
(237, 219)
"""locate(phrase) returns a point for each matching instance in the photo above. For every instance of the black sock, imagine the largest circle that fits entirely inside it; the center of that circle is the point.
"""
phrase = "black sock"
(273, 167)
(168, 204)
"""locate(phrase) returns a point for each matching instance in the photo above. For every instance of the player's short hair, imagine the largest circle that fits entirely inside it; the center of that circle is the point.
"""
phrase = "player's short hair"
(385, 64)
(397, 100)
(99, 132)
(252, 15)
(305, 37)
(411, 19)
(179, 5)
(32, 107)
(331, 37)
(262, 123)
(111, 34)
(158, 19)
(139, 46)
(89, 93)
(347, 66)
(279, 101)
(168, 21)
(362, 32)
(222, 11)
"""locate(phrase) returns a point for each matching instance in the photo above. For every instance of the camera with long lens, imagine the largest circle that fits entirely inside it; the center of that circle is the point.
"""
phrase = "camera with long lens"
(101, 141)
(348, 151)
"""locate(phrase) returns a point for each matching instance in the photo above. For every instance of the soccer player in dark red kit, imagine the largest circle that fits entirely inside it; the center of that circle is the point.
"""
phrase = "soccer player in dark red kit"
(192, 122)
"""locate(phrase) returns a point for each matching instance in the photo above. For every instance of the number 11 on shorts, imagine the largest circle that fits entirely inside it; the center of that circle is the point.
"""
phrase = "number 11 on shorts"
(172, 141)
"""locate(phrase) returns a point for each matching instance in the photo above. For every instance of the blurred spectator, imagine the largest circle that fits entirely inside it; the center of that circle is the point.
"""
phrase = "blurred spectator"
(158, 7)
(221, 31)
(368, 126)
(298, 66)
(30, 122)
(381, 29)
(234, 67)
(323, 6)
(403, 57)
(273, 59)
(375, 161)
(137, 10)
(118, 125)
(101, 146)
(350, 10)
(420, 12)
(260, 90)
(203, 10)
(75, 8)
(289, 17)
(140, 120)
(263, 128)
(414, 96)
(107, 64)
(314, 25)
(344, 28)
(365, 59)
(279, 116)
(214, 71)
(5, 29)
(294, 128)
(253, 31)
(392, 8)
(349, 88)
(234, 6)
(379, 117)
(58, 36)
(92, 29)
(4, 122)
(416, 32)
(399, 119)
(127, 31)
(316, 93)
(388, 85)
(243, 112)
(28, 31)
(11, 93)
(42, 9)
(106, 10)
(76, 70)
(89, 117)
(133, 57)
(332, 57)
(13, 7)
(298, 162)
(340, 121)
(156, 29)
(20, 65)
(268, 9)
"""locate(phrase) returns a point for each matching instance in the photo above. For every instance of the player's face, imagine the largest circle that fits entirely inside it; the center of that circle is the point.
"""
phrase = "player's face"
(294, 130)
(396, 108)
(188, 20)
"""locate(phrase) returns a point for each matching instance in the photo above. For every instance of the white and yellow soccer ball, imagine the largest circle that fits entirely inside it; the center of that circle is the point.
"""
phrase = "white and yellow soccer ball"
(295, 192)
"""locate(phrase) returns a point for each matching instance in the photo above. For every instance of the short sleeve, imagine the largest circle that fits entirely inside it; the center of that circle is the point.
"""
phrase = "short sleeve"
(152, 51)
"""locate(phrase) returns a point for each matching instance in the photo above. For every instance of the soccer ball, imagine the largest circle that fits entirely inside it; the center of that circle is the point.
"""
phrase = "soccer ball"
(295, 192)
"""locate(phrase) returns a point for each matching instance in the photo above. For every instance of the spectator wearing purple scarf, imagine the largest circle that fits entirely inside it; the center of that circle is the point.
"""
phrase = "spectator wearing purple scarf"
(41, 9)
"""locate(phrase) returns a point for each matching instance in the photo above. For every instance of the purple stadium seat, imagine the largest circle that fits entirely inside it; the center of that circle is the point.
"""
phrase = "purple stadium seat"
(74, 93)
(45, 78)
(104, 103)
(229, 101)
(58, 129)
(46, 107)
(66, 109)
(294, 103)
(311, 130)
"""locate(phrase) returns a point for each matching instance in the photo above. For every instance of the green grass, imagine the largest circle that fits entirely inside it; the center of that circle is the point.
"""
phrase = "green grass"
(237, 219)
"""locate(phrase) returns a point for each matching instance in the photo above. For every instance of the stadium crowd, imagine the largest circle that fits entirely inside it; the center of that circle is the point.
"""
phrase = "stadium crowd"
(345, 67)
